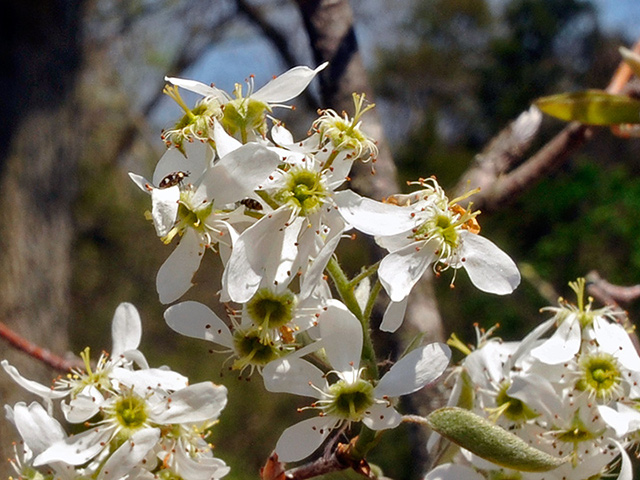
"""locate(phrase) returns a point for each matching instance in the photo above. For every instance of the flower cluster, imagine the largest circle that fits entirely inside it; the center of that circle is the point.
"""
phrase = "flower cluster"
(135, 422)
(234, 182)
(275, 209)
(573, 395)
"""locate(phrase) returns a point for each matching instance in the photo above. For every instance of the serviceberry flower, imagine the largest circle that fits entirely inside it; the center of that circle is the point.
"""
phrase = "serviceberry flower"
(344, 134)
(425, 229)
(131, 416)
(264, 330)
(302, 229)
(203, 211)
(247, 113)
(346, 394)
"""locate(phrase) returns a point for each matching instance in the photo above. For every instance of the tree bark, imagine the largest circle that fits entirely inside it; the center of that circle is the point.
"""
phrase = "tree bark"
(37, 184)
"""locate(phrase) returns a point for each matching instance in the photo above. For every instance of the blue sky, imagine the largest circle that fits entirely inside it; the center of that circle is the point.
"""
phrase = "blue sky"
(620, 15)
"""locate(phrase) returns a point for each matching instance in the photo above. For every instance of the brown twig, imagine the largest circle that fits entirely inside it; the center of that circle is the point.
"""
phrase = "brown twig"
(45, 356)
(507, 187)
(608, 293)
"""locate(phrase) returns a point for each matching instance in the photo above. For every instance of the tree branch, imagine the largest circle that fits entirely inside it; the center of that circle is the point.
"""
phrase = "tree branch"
(490, 168)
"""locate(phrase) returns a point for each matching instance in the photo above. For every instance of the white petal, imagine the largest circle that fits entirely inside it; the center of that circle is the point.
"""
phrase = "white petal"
(341, 334)
(175, 274)
(626, 468)
(281, 135)
(195, 160)
(225, 143)
(198, 87)
(536, 392)
(42, 391)
(142, 381)
(400, 270)
(489, 268)
(237, 174)
(614, 339)
(394, 315)
(193, 319)
(562, 345)
(415, 370)
(38, 430)
(451, 471)
(83, 406)
(129, 454)
(164, 208)
(313, 276)
(302, 439)
(294, 375)
(198, 403)
(142, 183)
(624, 420)
(126, 329)
(527, 342)
(372, 217)
(197, 467)
(255, 249)
(288, 85)
(77, 449)
(382, 416)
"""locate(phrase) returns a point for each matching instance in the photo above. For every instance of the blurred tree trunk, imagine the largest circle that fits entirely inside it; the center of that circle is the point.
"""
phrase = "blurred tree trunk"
(38, 158)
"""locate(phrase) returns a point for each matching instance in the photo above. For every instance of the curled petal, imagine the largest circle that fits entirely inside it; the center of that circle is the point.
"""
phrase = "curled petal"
(175, 274)
(415, 370)
(193, 319)
(382, 416)
(302, 439)
(288, 85)
(126, 329)
(489, 268)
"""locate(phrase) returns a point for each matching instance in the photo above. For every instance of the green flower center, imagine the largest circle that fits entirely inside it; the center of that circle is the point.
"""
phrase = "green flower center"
(190, 216)
(576, 433)
(601, 376)
(252, 351)
(270, 310)
(243, 115)
(512, 408)
(130, 411)
(441, 227)
(304, 191)
(350, 400)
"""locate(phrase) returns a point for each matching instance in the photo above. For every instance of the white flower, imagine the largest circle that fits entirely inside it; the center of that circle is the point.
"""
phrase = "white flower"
(203, 212)
(352, 398)
(126, 331)
(264, 330)
(421, 230)
(303, 230)
(246, 113)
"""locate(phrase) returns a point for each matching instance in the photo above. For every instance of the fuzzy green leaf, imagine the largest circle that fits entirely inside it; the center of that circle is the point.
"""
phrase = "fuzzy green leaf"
(489, 441)
(591, 107)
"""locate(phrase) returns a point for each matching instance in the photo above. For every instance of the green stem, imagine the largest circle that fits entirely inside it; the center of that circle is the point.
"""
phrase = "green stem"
(330, 160)
(375, 291)
(347, 295)
(344, 287)
(367, 272)
(367, 439)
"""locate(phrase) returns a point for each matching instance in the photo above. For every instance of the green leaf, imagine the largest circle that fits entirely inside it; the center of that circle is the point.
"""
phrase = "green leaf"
(489, 441)
(591, 107)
